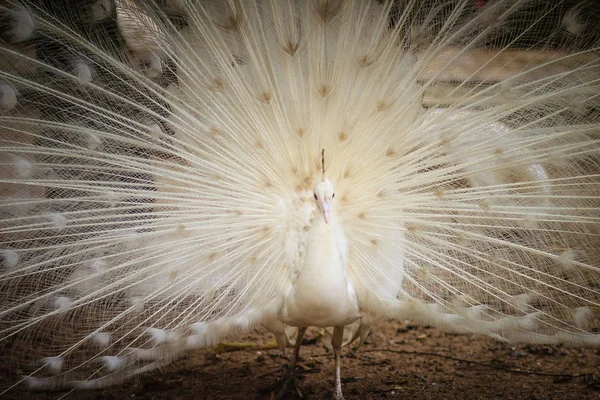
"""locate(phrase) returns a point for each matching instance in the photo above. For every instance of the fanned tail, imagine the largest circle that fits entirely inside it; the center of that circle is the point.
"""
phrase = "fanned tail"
(157, 161)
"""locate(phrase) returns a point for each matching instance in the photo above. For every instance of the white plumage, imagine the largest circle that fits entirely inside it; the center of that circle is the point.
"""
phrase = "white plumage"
(162, 185)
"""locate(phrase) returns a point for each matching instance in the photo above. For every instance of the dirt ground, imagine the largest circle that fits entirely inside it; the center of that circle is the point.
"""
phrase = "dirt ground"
(397, 361)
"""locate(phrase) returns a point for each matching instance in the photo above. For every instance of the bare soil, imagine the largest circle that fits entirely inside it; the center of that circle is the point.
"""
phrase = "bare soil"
(397, 361)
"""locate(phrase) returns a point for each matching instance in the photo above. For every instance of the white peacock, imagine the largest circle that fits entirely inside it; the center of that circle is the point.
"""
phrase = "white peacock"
(163, 185)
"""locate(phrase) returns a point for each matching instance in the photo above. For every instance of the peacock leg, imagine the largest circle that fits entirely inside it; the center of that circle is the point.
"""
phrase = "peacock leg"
(290, 376)
(336, 343)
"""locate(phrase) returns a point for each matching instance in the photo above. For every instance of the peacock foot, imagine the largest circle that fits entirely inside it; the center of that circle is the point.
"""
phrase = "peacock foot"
(337, 394)
(286, 385)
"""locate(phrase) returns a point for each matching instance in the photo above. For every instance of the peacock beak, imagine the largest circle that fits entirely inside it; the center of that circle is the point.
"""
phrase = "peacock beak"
(325, 209)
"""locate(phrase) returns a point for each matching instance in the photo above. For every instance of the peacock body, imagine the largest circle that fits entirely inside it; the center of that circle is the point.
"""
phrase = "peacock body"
(174, 173)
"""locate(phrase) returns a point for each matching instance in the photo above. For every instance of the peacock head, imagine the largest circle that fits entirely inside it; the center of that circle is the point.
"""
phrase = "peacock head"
(324, 195)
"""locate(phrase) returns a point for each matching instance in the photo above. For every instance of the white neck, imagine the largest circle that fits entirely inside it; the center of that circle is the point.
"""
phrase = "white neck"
(326, 248)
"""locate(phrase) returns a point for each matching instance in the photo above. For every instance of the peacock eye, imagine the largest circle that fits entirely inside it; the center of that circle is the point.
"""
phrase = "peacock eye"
(314, 194)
